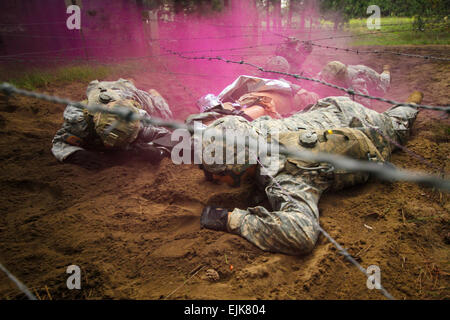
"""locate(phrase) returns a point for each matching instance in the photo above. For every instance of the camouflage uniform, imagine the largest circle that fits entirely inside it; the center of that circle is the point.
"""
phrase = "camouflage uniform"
(361, 79)
(78, 130)
(292, 225)
(366, 80)
(246, 91)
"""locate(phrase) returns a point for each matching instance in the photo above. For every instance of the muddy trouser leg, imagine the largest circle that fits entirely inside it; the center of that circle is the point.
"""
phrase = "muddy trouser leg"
(402, 118)
(292, 228)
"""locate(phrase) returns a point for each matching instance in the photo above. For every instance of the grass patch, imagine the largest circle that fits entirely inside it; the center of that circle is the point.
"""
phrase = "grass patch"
(402, 31)
(42, 77)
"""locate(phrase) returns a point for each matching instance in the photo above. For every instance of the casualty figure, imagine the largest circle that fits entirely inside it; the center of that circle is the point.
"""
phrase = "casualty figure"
(86, 139)
(252, 97)
(335, 125)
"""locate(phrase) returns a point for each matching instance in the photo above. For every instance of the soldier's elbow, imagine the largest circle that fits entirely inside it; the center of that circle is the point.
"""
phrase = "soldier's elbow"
(301, 245)
(305, 246)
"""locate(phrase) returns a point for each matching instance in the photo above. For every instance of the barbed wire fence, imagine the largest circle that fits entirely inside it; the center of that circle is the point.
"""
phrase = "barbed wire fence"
(25, 55)
(345, 163)
(358, 51)
(342, 162)
(383, 172)
(297, 76)
(351, 92)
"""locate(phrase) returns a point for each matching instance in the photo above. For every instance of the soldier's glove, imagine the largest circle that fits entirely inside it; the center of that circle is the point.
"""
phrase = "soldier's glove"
(214, 218)
(87, 159)
(149, 152)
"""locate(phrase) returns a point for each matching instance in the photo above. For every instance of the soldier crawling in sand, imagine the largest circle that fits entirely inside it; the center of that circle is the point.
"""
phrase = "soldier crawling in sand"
(359, 78)
(335, 125)
(87, 139)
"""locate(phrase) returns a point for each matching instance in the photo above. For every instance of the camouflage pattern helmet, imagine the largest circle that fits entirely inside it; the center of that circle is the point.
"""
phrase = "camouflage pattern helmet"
(277, 63)
(335, 72)
(222, 135)
(113, 131)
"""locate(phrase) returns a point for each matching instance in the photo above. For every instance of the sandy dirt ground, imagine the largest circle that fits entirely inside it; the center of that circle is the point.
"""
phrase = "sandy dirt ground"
(134, 228)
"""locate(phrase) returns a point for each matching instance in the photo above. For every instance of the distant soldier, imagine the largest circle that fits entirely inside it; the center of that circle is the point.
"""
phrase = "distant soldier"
(359, 78)
(86, 139)
(295, 52)
(335, 125)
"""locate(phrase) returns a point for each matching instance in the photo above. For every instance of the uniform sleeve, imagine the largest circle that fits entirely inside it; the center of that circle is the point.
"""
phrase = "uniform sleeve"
(153, 103)
(374, 83)
(69, 138)
(359, 85)
(161, 104)
(292, 228)
(150, 133)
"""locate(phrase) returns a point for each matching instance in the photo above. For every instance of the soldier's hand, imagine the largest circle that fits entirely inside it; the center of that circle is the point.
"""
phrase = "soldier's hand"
(214, 218)
(87, 159)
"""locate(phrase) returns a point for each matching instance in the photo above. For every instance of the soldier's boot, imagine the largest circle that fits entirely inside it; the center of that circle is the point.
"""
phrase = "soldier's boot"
(214, 218)
(416, 97)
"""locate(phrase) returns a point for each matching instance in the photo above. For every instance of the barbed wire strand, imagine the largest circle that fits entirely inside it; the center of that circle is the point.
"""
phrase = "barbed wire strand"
(338, 161)
(162, 20)
(383, 172)
(357, 51)
(139, 57)
(311, 42)
(9, 89)
(55, 51)
(33, 36)
(297, 76)
(18, 283)
(393, 142)
(166, 297)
